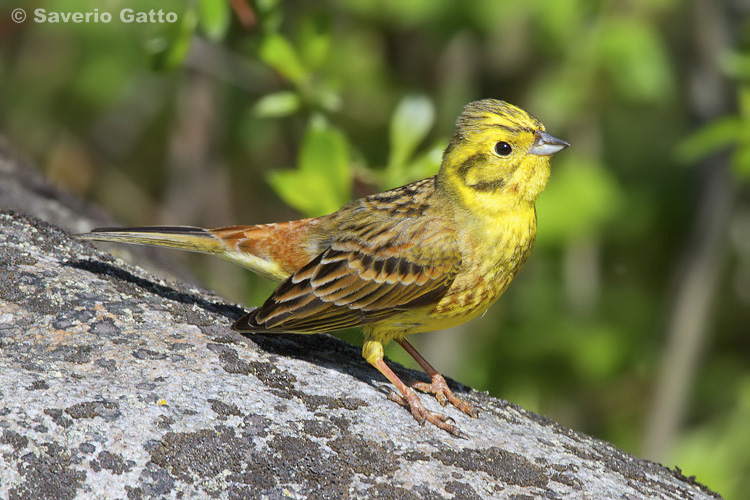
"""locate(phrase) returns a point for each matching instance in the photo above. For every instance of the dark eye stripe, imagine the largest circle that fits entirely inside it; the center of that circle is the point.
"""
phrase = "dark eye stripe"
(488, 186)
(473, 161)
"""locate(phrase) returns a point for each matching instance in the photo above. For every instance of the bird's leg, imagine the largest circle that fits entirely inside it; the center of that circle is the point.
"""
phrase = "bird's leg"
(373, 353)
(438, 386)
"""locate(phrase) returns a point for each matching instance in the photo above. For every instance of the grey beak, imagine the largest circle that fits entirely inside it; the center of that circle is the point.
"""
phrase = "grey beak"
(546, 144)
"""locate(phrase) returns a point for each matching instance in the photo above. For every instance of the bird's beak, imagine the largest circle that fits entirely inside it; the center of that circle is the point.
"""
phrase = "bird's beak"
(546, 144)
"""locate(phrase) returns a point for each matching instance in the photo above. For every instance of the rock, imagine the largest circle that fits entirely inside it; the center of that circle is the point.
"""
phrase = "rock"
(116, 384)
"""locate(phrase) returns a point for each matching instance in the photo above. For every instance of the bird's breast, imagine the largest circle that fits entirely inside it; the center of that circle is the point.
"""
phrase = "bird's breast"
(492, 253)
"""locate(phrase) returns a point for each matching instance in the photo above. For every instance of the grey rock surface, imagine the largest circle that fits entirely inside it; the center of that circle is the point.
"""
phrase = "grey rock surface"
(116, 384)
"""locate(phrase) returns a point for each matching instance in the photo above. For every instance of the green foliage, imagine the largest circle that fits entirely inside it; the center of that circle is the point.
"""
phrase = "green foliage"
(741, 158)
(214, 17)
(566, 211)
(718, 449)
(635, 60)
(298, 64)
(719, 134)
(170, 47)
(278, 104)
(276, 51)
(731, 131)
(322, 182)
(314, 40)
(411, 122)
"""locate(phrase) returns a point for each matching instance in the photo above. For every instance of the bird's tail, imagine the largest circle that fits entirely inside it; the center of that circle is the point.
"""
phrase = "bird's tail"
(274, 251)
(183, 237)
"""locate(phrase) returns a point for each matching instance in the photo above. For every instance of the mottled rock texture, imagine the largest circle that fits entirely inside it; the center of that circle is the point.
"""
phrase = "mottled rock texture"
(115, 384)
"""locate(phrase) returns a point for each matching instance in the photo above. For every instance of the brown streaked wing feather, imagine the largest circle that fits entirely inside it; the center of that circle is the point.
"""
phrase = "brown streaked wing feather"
(363, 278)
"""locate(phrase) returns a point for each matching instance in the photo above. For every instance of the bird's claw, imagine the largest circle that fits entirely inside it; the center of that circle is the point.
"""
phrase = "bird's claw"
(443, 394)
(421, 414)
(397, 398)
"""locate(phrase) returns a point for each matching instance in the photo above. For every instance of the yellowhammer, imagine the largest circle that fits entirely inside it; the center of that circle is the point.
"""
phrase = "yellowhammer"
(422, 257)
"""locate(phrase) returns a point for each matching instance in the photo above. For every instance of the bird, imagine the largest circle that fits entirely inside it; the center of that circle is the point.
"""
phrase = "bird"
(426, 256)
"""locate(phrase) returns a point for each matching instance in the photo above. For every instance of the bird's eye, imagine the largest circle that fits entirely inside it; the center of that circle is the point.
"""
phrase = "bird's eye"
(502, 148)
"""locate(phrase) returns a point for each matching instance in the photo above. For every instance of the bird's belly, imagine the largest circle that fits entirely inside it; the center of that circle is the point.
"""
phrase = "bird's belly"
(467, 301)
(484, 277)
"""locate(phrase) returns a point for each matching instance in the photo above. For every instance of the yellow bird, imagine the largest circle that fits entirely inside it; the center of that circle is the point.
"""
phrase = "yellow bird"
(426, 256)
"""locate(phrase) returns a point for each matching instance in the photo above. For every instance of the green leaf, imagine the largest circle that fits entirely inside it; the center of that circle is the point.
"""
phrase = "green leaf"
(170, 54)
(278, 52)
(314, 40)
(322, 182)
(327, 99)
(410, 123)
(214, 18)
(306, 192)
(325, 152)
(718, 134)
(282, 103)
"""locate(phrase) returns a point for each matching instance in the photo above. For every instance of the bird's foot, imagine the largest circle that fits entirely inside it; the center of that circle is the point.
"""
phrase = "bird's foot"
(439, 387)
(421, 414)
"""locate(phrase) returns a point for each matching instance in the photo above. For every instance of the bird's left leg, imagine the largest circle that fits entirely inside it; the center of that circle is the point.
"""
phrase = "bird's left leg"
(372, 351)
(438, 386)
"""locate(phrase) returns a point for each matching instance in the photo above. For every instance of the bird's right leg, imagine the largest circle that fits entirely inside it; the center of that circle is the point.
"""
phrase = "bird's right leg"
(438, 386)
(372, 351)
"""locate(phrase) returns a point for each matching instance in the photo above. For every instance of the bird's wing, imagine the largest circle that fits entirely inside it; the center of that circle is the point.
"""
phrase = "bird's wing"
(373, 270)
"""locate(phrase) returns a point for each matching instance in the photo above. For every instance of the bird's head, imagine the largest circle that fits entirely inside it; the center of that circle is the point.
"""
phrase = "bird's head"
(498, 157)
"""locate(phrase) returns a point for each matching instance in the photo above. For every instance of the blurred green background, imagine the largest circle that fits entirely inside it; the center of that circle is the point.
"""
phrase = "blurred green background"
(631, 319)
